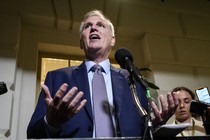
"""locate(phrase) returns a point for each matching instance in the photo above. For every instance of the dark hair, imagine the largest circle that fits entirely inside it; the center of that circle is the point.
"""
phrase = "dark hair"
(184, 89)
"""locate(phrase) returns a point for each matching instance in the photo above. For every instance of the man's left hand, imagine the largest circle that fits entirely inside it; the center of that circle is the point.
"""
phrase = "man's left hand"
(168, 108)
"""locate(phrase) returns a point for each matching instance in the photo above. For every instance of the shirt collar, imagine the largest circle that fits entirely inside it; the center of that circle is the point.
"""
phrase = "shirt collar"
(104, 64)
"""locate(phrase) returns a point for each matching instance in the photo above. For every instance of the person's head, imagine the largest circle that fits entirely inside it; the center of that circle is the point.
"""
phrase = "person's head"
(97, 36)
(185, 96)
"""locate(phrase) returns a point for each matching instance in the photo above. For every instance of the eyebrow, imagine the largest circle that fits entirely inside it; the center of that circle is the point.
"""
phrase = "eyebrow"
(185, 99)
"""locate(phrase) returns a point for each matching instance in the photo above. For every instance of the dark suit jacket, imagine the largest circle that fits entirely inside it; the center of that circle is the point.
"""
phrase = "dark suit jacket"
(129, 122)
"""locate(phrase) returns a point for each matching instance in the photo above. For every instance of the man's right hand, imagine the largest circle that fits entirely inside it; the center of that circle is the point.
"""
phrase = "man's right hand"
(62, 108)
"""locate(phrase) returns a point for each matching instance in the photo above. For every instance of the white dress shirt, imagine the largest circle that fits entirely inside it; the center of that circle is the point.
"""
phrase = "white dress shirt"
(107, 77)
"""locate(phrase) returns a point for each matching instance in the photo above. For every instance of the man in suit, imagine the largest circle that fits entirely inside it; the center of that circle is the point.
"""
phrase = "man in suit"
(65, 108)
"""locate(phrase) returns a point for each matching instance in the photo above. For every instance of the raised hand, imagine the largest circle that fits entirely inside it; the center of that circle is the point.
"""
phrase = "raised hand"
(168, 108)
(61, 108)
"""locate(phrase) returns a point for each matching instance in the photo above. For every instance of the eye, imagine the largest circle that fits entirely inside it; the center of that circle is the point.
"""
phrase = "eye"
(100, 24)
(86, 26)
(187, 101)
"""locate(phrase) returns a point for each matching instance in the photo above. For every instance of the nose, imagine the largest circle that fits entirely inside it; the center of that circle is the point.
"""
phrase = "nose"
(181, 104)
(93, 28)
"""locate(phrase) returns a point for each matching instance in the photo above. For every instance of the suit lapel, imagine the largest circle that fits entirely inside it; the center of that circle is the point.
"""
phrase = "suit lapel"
(81, 79)
(118, 88)
(118, 83)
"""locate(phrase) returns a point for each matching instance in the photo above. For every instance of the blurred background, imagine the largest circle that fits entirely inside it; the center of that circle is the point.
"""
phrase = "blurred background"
(170, 37)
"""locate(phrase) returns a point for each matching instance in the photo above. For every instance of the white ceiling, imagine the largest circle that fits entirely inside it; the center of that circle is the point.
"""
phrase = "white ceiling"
(65, 15)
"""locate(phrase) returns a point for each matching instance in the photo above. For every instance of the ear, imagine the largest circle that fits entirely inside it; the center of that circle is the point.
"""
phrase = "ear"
(113, 41)
(81, 44)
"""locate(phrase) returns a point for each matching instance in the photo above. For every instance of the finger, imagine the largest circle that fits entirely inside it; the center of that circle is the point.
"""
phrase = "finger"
(59, 94)
(171, 104)
(81, 105)
(176, 101)
(164, 105)
(68, 97)
(155, 110)
(47, 95)
(74, 103)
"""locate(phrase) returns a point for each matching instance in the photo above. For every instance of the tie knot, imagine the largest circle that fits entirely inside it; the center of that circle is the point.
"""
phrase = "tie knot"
(97, 68)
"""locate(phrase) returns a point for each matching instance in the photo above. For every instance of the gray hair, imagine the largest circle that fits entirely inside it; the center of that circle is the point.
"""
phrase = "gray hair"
(100, 14)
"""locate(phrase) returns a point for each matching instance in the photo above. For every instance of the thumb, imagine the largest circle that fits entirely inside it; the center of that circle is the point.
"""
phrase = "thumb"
(47, 95)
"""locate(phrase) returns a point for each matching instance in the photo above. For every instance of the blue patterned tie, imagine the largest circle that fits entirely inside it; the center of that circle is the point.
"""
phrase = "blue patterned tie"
(102, 116)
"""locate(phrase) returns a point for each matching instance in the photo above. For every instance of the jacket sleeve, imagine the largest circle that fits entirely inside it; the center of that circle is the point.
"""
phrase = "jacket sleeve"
(36, 127)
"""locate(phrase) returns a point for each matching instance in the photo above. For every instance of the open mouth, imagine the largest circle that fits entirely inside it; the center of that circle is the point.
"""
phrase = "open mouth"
(94, 36)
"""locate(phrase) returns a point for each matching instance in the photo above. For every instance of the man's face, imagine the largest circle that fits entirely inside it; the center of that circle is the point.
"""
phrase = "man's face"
(96, 39)
(182, 112)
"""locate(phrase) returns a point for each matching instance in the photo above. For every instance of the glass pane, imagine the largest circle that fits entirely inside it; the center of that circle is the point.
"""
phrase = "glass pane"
(49, 64)
(75, 62)
(116, 65)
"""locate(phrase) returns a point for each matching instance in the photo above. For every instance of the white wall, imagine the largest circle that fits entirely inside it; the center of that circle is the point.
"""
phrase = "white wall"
(9, 38)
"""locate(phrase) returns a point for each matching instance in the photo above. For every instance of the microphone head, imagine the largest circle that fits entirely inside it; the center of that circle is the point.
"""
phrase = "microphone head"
(121, 55)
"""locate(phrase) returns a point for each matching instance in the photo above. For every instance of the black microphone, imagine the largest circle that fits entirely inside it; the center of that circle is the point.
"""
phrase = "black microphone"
(125, 59)
(3, 88)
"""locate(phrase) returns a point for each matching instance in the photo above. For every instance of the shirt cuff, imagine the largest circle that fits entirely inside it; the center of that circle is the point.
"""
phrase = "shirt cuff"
(51, 131)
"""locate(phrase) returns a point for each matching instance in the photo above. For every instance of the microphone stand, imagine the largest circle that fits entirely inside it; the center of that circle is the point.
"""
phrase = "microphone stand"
(147, 116)
(141, 110)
